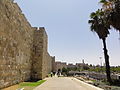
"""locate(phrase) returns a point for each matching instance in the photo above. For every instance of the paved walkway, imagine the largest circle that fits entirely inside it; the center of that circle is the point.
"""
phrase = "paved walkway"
(65, 83)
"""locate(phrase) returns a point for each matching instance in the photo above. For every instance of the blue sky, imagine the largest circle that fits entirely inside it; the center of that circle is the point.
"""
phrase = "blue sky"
(66, 23)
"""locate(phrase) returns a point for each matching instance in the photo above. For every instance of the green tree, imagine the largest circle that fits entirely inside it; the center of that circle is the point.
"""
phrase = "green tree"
(100, 26)
(64, 69)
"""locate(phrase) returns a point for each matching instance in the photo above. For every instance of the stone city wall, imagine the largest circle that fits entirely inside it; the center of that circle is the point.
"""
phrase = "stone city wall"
(42, 61)
(37, 54)
(53, 64)
(59, 66)
(15, 45)
(20, 57)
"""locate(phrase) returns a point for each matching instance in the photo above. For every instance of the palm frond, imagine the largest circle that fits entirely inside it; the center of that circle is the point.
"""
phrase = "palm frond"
(103, 1)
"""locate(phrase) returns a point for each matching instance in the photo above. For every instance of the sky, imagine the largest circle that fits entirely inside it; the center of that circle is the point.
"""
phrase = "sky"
(69, 37)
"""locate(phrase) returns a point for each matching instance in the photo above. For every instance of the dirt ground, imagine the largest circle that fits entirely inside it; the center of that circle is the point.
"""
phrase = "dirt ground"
(14, 87)
(17, 87)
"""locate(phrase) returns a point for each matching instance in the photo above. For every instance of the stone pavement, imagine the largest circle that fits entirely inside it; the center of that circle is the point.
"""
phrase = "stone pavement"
(65, 83)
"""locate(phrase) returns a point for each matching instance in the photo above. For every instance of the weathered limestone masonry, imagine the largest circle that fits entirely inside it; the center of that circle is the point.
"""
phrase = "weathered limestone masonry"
(20, 57)
(53, 64)
(15, 44)
(42, 61)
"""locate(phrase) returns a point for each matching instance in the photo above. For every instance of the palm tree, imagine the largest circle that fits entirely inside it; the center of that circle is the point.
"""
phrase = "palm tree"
(111, 9)
(114, 16)
(99, 25)
(107, 5)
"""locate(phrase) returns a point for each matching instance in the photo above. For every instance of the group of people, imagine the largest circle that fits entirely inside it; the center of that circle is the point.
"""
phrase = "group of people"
(55, 73)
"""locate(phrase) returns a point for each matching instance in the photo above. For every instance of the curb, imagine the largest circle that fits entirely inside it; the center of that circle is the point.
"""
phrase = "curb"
(88, 85)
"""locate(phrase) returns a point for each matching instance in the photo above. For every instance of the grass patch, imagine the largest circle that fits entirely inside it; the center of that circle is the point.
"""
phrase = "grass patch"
(25, 85)
(32, 84)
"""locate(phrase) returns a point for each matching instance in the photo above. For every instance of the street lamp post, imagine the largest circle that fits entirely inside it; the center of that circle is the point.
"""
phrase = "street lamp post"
(101, 63)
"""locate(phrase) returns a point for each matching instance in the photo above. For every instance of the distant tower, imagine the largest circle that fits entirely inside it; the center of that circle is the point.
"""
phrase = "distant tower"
(83, 61)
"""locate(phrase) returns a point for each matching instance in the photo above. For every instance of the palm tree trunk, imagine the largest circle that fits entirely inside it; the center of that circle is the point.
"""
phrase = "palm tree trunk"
(106, 56)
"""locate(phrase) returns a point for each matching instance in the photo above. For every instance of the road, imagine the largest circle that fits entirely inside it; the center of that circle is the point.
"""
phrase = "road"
(65, 83)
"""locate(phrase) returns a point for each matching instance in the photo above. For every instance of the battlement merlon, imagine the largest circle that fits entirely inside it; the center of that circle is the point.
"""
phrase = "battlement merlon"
(40, 30)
